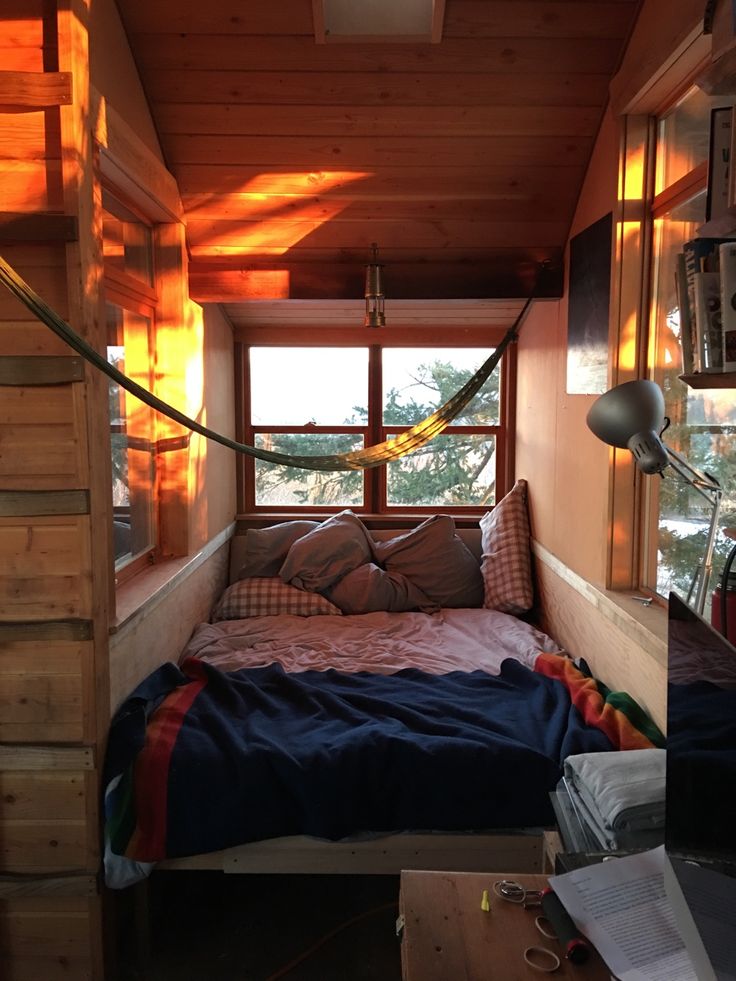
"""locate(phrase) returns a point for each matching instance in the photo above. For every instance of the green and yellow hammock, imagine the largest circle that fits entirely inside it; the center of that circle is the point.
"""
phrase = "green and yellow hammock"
(371, 456)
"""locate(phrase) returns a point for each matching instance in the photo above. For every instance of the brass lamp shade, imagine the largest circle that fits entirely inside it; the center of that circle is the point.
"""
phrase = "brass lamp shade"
(374, 298)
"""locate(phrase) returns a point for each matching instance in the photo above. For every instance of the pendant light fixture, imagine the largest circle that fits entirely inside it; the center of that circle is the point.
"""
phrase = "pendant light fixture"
(374, 315)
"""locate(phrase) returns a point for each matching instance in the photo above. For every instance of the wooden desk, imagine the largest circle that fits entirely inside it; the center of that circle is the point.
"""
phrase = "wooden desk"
(448, 937)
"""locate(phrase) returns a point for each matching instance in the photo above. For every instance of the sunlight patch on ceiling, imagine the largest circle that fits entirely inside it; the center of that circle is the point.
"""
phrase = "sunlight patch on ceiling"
(267, 216)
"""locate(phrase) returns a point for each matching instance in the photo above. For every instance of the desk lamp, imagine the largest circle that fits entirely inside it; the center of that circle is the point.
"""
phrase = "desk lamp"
(631, 416)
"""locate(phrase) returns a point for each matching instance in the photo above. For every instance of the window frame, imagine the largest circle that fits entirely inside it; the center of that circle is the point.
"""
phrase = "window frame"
(634, 298)
(374, 502)
(136, 296)
(653, 516)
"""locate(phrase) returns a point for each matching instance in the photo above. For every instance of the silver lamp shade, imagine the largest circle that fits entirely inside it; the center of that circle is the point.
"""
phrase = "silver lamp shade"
(631, 416)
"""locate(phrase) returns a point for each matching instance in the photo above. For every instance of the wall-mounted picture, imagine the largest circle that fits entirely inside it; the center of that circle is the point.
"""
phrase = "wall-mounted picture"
(588, 311)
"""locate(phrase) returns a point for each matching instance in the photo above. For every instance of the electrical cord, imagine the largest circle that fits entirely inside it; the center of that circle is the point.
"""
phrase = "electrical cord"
(300, 958)
(724, 590)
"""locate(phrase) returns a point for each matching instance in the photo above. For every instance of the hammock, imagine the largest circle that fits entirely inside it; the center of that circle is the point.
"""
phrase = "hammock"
(371, 456)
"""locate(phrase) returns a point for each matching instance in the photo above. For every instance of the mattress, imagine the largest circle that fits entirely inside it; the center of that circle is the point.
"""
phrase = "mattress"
(334, 726)
(382, 643)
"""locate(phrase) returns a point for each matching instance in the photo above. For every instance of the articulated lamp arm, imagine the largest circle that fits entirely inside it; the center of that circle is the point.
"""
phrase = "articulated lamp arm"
(631, 416)
(709, 488)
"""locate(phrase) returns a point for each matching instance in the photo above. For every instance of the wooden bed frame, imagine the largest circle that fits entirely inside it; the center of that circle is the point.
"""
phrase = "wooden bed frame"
(521, 851)
(500, 851)
(624, 657)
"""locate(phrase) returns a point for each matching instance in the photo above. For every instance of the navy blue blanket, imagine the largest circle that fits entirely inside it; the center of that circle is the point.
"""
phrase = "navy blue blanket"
(209, 759)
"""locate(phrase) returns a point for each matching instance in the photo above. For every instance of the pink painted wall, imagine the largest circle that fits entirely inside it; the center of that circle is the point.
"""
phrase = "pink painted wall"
(567, 468)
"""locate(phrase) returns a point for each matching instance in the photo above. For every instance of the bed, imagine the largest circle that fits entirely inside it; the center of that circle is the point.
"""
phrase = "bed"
(359, 701)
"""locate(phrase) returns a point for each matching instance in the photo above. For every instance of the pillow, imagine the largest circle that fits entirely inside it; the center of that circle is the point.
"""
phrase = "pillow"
(436, 561)
(368, 589)
(266, 548)
(261, 597)
(328, 553)
(506, 558)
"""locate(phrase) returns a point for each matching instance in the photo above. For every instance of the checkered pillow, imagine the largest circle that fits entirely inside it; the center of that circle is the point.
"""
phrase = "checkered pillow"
(506, 564)
(260, 597)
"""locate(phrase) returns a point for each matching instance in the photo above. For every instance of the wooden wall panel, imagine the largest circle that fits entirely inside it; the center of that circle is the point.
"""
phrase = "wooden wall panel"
(42, 437)
(21, 333)
(31, 185)
(51, 927)
(42, 683)
(49, 938)
(24, 25)
(45, 826)
(23, 136)
(595, 625)
(140, 646)
(44, 568)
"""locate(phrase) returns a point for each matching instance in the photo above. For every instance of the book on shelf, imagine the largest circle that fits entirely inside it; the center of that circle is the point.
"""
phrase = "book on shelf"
(690, 360)
(727, 269)
(702, 256)
(717, 203)
(708, 324)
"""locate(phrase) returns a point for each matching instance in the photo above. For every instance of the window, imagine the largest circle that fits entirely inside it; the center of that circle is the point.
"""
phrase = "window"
(702, 421)
(328, 400)
(130, 302)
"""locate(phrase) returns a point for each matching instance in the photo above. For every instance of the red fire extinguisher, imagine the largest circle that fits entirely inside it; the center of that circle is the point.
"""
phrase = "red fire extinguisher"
(716, 617)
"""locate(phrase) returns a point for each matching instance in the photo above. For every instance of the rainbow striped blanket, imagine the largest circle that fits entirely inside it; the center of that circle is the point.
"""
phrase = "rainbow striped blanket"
(201, 759)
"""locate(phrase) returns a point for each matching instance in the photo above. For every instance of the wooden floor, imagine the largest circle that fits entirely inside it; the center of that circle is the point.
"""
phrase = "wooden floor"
(208, 926)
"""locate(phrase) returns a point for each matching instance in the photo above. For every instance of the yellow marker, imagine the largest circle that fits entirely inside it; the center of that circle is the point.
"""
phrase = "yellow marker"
(484, 902)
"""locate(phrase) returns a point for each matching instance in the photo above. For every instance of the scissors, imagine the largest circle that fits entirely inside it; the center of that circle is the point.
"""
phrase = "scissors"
(539, 958)
(514, 892)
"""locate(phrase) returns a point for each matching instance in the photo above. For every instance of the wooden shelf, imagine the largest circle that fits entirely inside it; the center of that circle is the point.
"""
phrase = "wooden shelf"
(706, 379)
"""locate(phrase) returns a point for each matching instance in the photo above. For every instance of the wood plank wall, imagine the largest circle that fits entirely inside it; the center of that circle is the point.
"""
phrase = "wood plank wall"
(53, 629)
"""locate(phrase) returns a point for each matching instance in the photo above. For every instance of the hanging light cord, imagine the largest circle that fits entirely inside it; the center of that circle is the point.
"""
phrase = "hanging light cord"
(372, 456)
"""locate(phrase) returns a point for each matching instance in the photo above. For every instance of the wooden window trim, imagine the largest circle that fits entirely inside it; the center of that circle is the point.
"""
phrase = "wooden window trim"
(375, 490)
(129, 286)
(686, 187)
(152, 554)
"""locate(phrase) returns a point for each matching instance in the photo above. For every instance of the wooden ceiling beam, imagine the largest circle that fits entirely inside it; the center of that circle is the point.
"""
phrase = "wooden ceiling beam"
(487, 181)
(506, 275)
(364, 154)
(378, 121)
(463, 160)
(290, 53)
(265, 238)
(463, 18)
(540, 88)
(274, 208)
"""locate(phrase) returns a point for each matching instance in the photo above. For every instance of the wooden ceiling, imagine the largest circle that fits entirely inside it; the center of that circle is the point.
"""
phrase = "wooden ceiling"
(462, 160)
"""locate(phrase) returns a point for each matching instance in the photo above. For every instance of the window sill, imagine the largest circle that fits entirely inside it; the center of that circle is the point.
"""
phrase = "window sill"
(139, 596)
(646, 624)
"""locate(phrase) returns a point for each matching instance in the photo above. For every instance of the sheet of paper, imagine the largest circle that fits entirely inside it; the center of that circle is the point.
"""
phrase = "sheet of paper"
(621, 906)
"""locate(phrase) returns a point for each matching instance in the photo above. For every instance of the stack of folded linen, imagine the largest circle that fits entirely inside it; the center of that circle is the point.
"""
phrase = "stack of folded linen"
(619, 796)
